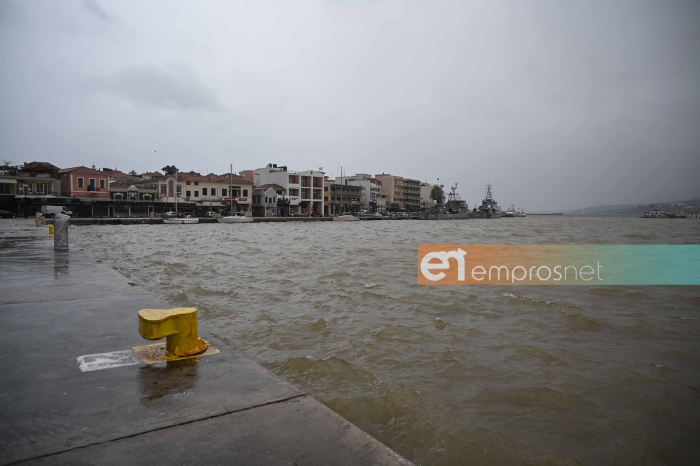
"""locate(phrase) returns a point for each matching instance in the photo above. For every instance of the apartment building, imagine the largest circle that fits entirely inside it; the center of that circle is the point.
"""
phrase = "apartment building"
(393, 186)
(371, 187)
(411, 194)
(304, 189)
(342, 198)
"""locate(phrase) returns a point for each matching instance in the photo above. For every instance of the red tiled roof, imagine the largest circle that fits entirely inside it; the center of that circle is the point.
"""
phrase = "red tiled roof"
(82, 169)
(226, 178)
(271, 185)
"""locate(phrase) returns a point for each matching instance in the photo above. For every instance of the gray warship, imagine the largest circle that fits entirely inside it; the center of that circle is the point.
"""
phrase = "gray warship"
(489, 208)
(454, 209)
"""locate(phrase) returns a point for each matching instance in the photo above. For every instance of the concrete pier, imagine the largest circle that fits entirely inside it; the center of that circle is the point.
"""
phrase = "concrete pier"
(56, 306)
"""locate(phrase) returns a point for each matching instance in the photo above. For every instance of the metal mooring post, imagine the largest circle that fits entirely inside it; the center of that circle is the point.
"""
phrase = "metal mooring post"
(60, 236)
(38, 218)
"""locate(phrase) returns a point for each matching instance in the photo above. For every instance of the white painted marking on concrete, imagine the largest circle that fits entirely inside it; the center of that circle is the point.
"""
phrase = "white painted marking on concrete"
(96, 362)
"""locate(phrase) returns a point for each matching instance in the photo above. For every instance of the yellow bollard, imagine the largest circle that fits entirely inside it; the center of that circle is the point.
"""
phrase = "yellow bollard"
(50, 227)
(179, 327)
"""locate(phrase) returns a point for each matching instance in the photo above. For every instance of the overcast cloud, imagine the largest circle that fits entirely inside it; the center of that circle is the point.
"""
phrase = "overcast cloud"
(556, 104)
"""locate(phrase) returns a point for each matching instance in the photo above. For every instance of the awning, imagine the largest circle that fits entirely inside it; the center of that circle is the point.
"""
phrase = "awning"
(242, 200)
(212, 204)
(8, 180)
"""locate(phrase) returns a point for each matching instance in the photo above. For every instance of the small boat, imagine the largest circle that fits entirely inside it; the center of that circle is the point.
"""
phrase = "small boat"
(345, 218)
(510, 212)
(180, 221)
(236, 217)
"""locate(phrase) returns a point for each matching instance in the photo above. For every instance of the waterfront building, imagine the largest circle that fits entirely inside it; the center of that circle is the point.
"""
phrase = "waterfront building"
(401, 193)
(84, 183)
(411, 195)
(23, 189)
(425, 200)
(265, 200)
(304, 189)
(132, 192)
(207, 192)
(370, 185)
(343, 198)
(128, 200)
(381, 202)
(387, 182)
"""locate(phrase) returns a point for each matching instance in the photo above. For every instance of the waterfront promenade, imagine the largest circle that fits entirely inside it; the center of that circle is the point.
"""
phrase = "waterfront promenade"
(222, 408)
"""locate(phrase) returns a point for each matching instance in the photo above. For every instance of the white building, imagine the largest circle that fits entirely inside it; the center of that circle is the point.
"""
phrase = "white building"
(425, 190)
(304, 190)
(371, 187)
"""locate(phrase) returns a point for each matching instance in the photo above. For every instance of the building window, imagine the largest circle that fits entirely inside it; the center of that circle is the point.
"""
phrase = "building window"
(102, 184)
(188, 193)
(196, 183)
(188, 183)
(81, 182)
(91, 184)
(163, 189)
(179, 191)
(223, 192)
(213, 191)
(245, 193)
(204, 191)
(196, 194)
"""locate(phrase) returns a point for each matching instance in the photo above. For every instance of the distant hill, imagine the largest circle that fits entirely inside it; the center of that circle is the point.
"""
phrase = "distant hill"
(637, 210)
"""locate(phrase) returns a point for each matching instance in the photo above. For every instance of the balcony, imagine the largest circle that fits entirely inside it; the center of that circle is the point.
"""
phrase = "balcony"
(92, 188)
(33, 192)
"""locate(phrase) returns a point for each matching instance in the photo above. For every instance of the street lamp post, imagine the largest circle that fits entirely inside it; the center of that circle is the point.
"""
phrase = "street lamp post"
(24, 202)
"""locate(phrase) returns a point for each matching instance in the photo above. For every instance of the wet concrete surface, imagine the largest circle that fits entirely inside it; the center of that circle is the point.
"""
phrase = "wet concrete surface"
(222, 408)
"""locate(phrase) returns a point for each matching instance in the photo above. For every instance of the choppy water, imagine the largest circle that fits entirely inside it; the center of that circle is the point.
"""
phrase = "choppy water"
(444, 375)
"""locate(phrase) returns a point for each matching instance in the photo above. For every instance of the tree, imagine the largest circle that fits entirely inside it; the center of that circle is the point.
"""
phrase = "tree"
(7, 162)
(437, 194)
(169, 169)
(133, 173)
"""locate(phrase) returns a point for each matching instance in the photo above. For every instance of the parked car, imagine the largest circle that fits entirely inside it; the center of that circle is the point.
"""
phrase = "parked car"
(52, 210)
(211, 214)
(170, 215)
(295, 214)
(6, 214)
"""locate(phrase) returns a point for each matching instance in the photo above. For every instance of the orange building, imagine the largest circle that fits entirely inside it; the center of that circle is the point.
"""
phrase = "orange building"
(84, 182)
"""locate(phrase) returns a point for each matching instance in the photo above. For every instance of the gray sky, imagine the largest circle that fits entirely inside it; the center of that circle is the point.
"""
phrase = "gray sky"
(556, 104)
